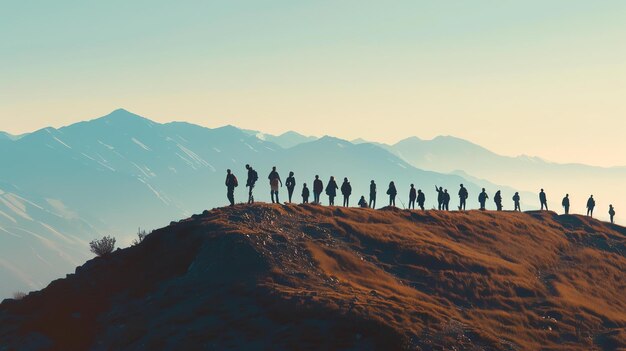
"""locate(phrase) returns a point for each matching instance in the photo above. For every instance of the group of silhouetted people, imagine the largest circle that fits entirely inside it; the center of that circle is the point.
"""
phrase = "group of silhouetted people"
(415, 195)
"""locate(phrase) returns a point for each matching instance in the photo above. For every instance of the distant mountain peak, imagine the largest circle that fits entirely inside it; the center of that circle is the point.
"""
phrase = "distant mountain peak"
(121, 114)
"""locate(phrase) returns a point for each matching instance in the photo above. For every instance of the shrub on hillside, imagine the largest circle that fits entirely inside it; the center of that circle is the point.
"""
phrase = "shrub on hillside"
(102, 247)
(141, 234)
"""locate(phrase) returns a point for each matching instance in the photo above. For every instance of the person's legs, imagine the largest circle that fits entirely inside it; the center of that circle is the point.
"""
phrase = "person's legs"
(231, 196)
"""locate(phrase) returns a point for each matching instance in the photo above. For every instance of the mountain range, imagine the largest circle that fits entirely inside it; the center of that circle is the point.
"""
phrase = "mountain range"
(61, 188)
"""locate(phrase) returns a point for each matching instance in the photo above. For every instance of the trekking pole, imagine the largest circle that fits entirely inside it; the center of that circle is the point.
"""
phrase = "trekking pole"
(404, 208)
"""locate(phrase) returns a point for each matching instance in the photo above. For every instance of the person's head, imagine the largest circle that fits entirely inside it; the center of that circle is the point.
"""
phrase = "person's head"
(228, 171)
(516, 193)
(566, 195)
(317, 177)
(345, 179)
(419, 190)
(391, 183)
(362, 197)
(304, 185)
(412, 186)
(372, 182)
(592, 196)
(440, 188)
(445, 191)
(542, 190)
(483, 190)
(611, 205)
(274, 168)
(332, 177)
(498, 191)
(291, 174)
(461, 185)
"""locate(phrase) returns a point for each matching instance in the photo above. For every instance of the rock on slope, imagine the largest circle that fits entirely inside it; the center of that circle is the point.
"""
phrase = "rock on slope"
(310, 277)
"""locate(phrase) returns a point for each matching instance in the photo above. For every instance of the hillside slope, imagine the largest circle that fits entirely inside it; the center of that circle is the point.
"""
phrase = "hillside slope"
(311, 277)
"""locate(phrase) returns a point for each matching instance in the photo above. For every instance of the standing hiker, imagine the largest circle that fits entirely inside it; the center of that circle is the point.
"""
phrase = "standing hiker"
(482, 199)
(331, 191)
(392, 192)
(253, 176)
(611, 213)
(591, 203)
(274, 180)
(346, 191)
(421, 198)
(372, 194)
(497, 198)
(463, 195)
(565, 203)
(440, 197)
(231, 183)
(516, 200)
(412, 197)
(290, 182)
(446, 200)
(318, 187)
(305, 194)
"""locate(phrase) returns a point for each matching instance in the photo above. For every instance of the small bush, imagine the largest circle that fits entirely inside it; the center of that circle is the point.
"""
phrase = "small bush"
(18, 295)
(141, 234)
(102, 247)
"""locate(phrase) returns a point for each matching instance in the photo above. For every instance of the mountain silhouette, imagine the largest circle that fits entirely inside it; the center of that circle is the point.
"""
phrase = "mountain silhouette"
(113, 174)
(312, 277)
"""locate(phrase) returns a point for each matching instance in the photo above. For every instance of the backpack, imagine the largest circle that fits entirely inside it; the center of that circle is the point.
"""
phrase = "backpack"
(255, 176)
(235, 181)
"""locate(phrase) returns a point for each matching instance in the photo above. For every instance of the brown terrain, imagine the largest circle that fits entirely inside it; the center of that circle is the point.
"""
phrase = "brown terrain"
(306, 277)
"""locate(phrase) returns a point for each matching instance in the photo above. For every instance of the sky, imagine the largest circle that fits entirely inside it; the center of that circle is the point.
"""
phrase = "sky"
(541, 78)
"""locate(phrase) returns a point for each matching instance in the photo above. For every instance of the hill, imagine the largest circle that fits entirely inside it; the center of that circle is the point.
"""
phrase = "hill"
(312, 277)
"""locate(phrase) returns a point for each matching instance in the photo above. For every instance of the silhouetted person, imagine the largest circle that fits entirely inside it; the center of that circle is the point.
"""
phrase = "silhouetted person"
(611, 213)
(543, 200)
(412, 197)
(497, 198)
(565, 203)
(290, 182)
(362, 202)
(346, 191)
(331, 191)
(318, 187)
(591, 203)
(372, 194)
(231, 183)
(440, 197)
(274, 181)
(421, 198)
(253, 176)
(463, 195)
(482, 199)
(446, 200)
(305, 194)
(516, 200)
(392, 192)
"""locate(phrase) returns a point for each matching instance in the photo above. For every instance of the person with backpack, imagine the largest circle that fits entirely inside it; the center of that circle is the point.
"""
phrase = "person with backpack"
(412, 197)
(392, 192)
(440, 197)
(372, 194)
(482, 199)
(305, 194)
(516, 200)
(331, 191)
(253, 176)
(362, 202)
(318, 187)
(421, 199)
(565, 203)
(543, 200)
(290, 182)
(497, 198)
(346, 191)
(231, 183)
(611, 213)
(463, 195)
(274, 178)
(446, 200)
(591, 203)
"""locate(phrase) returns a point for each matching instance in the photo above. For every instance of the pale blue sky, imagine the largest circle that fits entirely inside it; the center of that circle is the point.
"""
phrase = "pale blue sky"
(545, 78)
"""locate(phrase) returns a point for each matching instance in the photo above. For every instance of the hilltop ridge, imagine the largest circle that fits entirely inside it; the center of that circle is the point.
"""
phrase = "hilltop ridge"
(312, 277)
